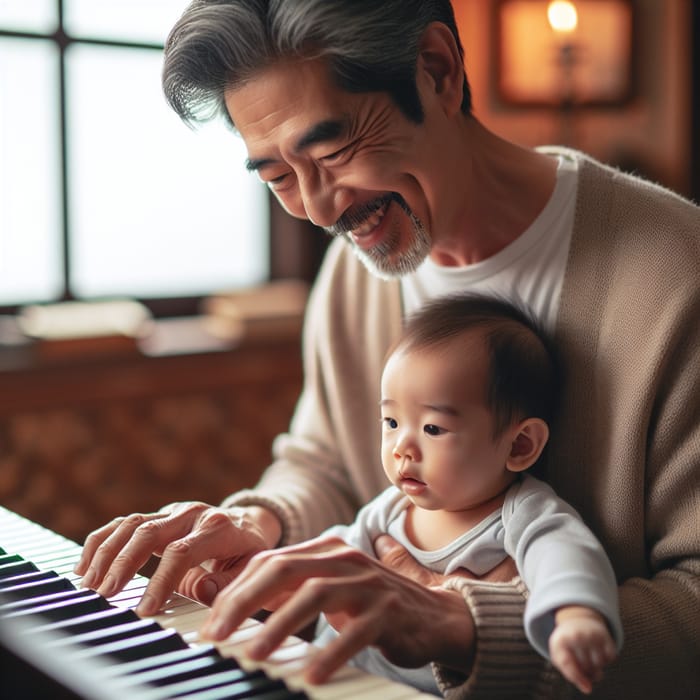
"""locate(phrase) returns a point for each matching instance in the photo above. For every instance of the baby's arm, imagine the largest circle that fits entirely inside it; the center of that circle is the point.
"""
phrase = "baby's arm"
(581, 645)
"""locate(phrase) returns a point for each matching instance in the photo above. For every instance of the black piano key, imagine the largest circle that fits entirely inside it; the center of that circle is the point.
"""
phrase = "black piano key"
(80, 604)
(230, 681)
(137, 647)
(170, 658)
(93, 621)
(6, 558)
(16, 567)
(117, 633)
(11, 605)
(27, 578)
(279, 692)
(10, 558)
(38, 588)
(195, 668)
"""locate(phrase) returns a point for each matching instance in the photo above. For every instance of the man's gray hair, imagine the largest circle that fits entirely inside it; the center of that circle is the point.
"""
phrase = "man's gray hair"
(370, 45)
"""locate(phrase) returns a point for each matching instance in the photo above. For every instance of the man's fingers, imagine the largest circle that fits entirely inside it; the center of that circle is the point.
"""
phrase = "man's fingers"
(104, 545)
(247, 594)
(293, 615)
(328, 595)
(138, 538)
(92, 542)
(397, 558)
(359, 633)
(270, 577)
(202, 585)
(366, 602)
(178, 558)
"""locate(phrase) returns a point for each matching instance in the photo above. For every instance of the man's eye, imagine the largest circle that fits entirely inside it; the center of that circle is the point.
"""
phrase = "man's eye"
(335, 155)
(431, 429)
(390, 423)
(275, 182)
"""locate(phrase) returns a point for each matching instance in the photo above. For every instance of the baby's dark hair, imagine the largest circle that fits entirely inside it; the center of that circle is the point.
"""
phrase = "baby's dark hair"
(524, 379)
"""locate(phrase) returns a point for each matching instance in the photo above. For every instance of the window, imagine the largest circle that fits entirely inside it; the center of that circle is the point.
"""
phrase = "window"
(103, 190)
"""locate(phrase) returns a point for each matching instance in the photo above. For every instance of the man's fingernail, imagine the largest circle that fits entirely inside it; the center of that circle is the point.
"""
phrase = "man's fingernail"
(147, 605)
(258, 649)
(212, 630)
(208, 590)
(107, 587)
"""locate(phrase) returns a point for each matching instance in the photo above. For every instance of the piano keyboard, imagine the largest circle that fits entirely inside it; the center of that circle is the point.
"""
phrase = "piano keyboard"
(101, 650)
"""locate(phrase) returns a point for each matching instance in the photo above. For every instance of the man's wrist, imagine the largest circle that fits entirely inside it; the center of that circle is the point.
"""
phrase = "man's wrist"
(458, 633)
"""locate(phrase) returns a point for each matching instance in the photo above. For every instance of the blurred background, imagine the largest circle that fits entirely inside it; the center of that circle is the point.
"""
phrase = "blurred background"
(151, 291)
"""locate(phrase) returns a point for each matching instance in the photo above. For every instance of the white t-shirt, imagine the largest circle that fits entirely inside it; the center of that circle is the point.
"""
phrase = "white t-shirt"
(529, 271)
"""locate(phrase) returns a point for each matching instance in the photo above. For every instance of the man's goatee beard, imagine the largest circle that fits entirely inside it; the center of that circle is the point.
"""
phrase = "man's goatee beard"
(384, 260)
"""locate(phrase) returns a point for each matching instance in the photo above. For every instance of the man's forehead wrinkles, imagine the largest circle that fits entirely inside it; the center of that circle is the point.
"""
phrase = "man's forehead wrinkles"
(322, 131)
(260, 140)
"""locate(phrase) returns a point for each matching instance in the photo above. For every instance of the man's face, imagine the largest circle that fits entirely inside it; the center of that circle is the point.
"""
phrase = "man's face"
(351, 163)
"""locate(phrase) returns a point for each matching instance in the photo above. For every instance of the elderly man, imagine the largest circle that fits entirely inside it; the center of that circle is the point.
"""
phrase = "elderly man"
(357, 114)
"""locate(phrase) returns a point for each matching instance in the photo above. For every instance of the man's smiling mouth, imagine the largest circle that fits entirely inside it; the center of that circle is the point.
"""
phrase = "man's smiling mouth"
(363, 219)
(370, 223)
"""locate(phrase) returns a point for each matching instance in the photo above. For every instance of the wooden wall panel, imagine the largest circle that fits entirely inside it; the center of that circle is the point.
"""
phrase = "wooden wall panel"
(81, 443)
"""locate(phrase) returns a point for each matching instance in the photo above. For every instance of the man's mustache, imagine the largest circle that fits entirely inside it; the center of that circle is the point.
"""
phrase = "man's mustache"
(356, 217)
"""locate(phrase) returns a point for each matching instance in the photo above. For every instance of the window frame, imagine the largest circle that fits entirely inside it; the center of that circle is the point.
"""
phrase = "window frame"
(295, 248)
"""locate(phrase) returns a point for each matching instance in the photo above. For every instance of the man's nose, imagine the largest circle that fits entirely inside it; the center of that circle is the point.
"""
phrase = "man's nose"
(324, 200)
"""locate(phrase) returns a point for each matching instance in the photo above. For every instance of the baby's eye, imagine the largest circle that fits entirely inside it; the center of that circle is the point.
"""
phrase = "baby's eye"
(390, 423)
(431, 429)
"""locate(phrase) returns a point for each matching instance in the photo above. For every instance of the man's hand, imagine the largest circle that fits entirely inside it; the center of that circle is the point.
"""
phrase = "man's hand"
(396, 557)
(581, 646)
(368, 603)
(202, 549)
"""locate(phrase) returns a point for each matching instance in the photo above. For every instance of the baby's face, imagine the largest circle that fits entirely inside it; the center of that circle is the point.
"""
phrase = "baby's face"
(438, 442)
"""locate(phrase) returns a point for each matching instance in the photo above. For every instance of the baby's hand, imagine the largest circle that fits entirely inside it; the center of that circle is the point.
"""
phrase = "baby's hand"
(581, 646)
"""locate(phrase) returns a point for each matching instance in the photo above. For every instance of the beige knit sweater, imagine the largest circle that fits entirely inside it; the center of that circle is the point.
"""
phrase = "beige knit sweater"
(625, 452)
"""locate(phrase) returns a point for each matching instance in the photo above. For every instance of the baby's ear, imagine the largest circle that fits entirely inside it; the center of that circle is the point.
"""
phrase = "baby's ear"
(531, 436)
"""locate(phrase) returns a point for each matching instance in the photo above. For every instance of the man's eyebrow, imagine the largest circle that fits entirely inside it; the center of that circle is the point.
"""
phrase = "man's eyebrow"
(326, 130)
(254, 164)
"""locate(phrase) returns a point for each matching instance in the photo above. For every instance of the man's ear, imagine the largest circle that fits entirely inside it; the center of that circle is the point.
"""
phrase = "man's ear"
(439, 59)
(530, 437)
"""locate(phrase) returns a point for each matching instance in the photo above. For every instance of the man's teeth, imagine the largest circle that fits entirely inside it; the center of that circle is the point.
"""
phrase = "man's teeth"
(371, 222)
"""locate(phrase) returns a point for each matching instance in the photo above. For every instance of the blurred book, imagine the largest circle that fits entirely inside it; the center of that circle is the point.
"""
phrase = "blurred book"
(266, 311)
(69, 329)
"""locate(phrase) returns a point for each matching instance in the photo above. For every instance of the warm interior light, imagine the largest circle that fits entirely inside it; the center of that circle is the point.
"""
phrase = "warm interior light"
(562, 16)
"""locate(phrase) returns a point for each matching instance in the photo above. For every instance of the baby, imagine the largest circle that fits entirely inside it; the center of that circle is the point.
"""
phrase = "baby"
(467, 397)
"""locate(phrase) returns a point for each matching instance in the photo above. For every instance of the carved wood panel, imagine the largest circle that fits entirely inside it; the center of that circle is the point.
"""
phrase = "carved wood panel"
(81, 444)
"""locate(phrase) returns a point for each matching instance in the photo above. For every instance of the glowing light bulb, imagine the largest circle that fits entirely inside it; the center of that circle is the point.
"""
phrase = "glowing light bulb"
(562, 16)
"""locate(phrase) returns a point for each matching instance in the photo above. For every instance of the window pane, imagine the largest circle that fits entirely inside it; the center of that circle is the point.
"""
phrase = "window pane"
(30, 209)
(124, 20)
(155, 208)
(29, 15)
